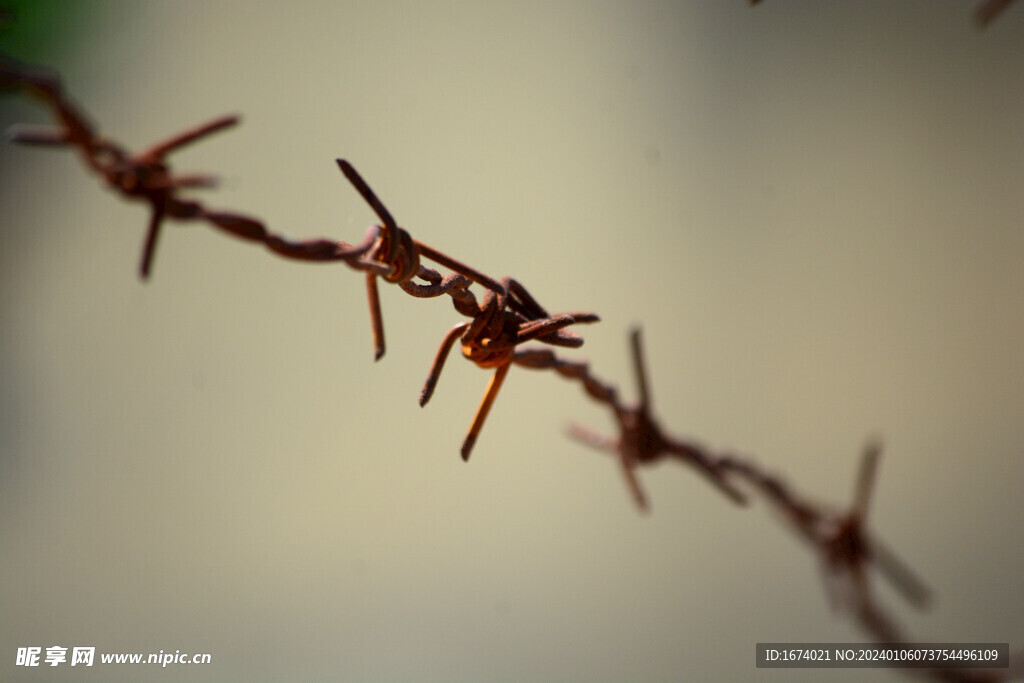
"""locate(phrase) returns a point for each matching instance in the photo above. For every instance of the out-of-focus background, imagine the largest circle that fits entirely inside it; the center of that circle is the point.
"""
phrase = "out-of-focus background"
(814, 210)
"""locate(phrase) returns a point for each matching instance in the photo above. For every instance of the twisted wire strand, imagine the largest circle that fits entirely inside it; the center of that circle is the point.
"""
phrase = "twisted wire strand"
(844, 549)
(507, 317)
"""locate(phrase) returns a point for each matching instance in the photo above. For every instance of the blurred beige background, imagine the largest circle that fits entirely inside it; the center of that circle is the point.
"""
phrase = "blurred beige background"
(814, 209)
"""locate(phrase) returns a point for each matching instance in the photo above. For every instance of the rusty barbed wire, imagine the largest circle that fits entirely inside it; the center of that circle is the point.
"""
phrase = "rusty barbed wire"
(844, 548)
(641, 440)
(841, 541)
(840, 538)
(506, 317)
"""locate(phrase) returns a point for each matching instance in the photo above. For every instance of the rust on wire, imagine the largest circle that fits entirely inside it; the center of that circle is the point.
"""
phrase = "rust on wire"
(642, 442)
(491, 338)
(506, 317)
(840, 538)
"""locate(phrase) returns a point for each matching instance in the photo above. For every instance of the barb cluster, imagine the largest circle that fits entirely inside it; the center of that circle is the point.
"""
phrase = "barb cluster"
(641, 440)
(506, 317)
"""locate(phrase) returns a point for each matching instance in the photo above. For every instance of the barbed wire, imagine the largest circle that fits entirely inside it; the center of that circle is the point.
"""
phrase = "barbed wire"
(506, 317)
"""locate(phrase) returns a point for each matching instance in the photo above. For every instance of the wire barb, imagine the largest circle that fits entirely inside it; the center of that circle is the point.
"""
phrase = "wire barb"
(394, 248)
(842, 543)
(641, 440)
(491, 338)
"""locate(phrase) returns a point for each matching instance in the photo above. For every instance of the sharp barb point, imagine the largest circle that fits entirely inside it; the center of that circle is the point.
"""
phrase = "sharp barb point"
(467, 447)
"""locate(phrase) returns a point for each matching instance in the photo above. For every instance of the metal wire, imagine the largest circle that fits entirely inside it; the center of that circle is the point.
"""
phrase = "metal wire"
(506, 317)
